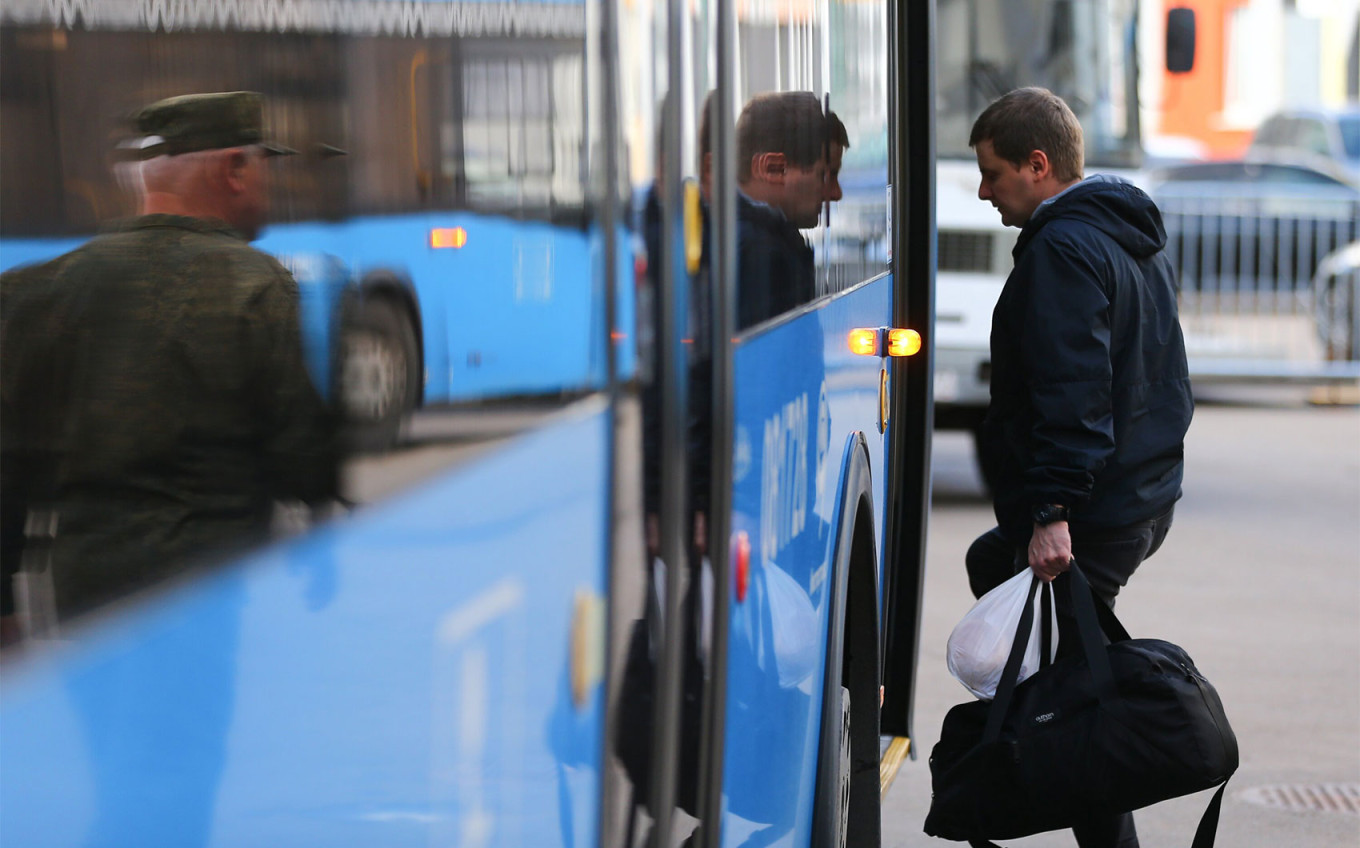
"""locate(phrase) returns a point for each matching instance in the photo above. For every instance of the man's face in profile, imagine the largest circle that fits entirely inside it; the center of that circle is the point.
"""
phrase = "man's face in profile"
(252, 202)
(1010, 188)
(833, 173)
(804, 191)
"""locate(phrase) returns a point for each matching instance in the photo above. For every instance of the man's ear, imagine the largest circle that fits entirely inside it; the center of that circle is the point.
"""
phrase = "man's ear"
(233, 165)
(1038, 165)
(769, 167)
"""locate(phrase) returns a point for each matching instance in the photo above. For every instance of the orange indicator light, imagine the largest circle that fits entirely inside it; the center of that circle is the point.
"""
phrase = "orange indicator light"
(442, 237)
(903, 342)
(864, 342)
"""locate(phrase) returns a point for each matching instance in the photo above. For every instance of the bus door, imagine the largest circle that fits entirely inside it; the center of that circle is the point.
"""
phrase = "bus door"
(913, 245)
(662, 602)
(736, 416)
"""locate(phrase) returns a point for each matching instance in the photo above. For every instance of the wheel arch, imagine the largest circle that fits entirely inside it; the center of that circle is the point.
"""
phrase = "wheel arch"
(396, 287)
(852, 656)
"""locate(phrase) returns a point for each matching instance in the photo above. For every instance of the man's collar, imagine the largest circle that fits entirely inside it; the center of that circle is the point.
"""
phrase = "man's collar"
(182, 222)
(774, 211)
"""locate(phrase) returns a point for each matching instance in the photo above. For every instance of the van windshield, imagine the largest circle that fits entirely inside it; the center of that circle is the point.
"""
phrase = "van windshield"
(1081, 51)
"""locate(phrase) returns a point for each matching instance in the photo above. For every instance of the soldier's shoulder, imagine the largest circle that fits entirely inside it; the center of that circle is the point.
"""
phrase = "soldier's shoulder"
(248, 266)
(24, 275)
(30, 280)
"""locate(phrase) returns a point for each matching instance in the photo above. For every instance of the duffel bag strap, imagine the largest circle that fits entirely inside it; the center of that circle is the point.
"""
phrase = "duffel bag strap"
(1112, 626)
(1088, 630)
(1208, 823)
(1204, 834)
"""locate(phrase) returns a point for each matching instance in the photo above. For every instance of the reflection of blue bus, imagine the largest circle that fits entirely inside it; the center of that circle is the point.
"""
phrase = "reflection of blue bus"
(494, 657)
(439, 229)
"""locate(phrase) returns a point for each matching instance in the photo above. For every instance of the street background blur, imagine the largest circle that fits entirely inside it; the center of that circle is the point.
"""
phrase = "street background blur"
(1254, 157)
(1259, 580)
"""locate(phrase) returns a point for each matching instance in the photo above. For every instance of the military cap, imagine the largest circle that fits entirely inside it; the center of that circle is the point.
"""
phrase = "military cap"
(194, 122)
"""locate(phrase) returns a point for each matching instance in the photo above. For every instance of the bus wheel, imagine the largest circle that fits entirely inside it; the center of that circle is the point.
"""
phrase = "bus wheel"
(831, 813)
(378, 372)
(843, 773)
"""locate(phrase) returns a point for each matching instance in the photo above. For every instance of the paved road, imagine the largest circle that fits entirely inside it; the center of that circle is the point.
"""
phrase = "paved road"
(435, 440)
(1259, 581)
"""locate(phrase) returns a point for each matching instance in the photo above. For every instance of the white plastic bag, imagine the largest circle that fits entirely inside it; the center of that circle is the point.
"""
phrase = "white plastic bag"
(981, 641)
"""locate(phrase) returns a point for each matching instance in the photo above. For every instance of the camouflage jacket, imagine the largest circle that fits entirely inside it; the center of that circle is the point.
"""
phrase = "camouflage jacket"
(155, 402)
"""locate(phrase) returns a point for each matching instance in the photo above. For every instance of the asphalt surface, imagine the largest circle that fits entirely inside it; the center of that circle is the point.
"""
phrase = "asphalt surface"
(1259, 581)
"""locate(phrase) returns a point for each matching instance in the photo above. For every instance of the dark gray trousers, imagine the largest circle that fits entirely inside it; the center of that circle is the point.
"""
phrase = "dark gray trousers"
(1108, 557)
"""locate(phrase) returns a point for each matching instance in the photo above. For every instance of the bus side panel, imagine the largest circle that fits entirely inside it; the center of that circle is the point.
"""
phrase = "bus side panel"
(19, 252)
(792, 424)
(399, 678)
(512, 310)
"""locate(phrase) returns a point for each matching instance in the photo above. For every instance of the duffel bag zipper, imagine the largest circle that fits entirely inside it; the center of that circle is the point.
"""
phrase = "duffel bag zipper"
(1192, 673)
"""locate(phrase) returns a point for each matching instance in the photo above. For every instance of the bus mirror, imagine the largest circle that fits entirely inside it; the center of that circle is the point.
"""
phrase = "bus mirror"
(1180, 40)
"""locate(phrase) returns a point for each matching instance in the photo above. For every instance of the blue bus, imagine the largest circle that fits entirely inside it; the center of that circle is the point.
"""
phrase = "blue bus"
(518, 648)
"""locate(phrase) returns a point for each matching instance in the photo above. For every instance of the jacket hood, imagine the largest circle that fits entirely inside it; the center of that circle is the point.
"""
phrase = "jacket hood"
(1117, 208)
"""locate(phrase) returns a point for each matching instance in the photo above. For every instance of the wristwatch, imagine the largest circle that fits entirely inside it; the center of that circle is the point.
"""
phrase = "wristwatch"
(1046, 514)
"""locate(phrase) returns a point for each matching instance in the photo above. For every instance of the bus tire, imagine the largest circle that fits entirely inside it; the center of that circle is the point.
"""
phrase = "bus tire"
(379, 373)
(846, 801)
(842, 825)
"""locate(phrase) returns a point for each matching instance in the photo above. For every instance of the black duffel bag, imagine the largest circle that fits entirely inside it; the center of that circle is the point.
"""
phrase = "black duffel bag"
(1111, 729)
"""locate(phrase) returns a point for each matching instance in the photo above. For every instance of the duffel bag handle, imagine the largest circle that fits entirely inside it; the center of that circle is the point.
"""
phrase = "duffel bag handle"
(1088, 630)
(1011, 673)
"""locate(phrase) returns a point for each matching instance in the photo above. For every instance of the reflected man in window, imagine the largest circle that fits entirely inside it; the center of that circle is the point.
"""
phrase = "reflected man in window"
(785, 148)
(155, 399)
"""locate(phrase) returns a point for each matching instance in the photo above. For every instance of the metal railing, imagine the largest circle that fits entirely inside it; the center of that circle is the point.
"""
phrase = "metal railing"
(1268, 279)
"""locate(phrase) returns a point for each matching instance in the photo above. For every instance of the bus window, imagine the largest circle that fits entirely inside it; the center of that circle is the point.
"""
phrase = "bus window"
(522, 132)
(434, 216)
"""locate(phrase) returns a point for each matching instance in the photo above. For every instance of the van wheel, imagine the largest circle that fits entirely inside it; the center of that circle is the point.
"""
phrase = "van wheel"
(378, 374)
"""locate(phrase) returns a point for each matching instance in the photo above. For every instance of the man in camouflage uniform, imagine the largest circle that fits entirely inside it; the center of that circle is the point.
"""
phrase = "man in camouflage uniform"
(155, 400)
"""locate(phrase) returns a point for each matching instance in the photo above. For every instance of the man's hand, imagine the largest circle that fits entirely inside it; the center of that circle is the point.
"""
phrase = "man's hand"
(1050, 550)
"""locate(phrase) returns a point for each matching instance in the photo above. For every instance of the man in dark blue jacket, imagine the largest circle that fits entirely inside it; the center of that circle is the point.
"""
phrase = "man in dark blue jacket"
(1090, 390)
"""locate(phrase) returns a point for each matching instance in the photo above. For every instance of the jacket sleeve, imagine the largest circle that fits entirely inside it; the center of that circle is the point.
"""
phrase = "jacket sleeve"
(1065, 349)
(301, 439)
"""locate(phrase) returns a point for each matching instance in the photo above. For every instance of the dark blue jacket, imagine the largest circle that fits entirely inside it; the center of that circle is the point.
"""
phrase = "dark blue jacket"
(774, 264)
(1090, 390)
